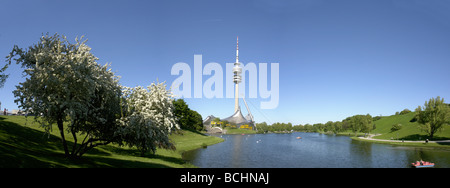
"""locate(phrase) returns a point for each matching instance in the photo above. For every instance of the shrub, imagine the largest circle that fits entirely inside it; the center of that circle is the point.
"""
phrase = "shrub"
(376, 118)
(405, 111)
(396, 127)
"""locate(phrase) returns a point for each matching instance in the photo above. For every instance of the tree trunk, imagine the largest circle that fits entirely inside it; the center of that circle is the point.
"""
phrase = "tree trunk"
(432, 131)
(63, 139)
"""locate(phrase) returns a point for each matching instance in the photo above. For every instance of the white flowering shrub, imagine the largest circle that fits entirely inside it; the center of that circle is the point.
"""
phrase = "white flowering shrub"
(147, 117)
(64, 83)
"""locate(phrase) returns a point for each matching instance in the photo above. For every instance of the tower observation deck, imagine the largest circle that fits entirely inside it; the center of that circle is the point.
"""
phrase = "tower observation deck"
(237, 120)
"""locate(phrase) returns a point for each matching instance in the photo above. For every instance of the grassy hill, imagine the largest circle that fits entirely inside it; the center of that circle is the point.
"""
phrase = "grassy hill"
(24, 144)
(409, 130)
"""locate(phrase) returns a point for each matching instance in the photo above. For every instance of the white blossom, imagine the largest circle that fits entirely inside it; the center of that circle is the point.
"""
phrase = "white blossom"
(147, 117)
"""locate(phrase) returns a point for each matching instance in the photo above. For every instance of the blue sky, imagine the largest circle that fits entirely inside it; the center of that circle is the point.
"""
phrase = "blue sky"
(337, 58)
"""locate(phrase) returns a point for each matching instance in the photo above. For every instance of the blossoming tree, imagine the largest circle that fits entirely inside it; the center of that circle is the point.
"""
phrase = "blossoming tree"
(66, 86)
(147, 117)
(64, 83)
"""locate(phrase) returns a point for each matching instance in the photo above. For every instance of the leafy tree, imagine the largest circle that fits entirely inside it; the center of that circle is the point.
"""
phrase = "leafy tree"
(338, 127)
(396, 127)
(308, 127)
(355, 123)
(187, 118)
(3, 76)
(318, 127)
(147, 118)
(217, 121)
(405, 111)
(376, 118)
(433, 116)
(367, 124)
(65, 83)
(224, 123)
(361, 123)
(262, 127)
(298, 128)
(196, 120)
(329, 127)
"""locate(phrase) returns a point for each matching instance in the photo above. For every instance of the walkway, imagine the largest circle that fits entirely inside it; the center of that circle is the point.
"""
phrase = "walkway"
(422, 141)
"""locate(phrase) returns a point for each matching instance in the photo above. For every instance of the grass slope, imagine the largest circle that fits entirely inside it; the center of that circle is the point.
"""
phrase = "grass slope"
(409, 131)
(24, 144)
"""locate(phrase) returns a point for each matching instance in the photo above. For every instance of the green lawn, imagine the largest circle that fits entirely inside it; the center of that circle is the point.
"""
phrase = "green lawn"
(409, 131)
(24, 144)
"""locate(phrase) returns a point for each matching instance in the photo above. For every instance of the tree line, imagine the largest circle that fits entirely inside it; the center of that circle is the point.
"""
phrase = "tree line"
(356, 123)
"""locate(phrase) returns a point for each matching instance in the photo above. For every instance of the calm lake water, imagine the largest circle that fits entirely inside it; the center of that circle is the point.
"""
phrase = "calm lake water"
(314, 150)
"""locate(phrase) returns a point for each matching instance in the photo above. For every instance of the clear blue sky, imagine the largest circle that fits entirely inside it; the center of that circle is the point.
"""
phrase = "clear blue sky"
(337, 58)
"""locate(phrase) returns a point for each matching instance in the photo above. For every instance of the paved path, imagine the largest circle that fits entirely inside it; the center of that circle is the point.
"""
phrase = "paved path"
(372, 135)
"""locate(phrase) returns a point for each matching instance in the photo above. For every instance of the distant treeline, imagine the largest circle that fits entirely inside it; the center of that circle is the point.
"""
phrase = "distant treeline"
(356, 123)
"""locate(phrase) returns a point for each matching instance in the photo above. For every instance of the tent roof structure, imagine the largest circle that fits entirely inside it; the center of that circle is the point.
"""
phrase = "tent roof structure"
(237, 118)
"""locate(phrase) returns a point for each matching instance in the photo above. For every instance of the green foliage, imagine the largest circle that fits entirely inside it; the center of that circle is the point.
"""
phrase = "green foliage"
(262, 127)
(405, 111)
(225, 123)
(216, 119)
(361, 123)
(376, 118)
(433, 116)
(3, 76)
(187, 118)
(275, 127)
(396, 127)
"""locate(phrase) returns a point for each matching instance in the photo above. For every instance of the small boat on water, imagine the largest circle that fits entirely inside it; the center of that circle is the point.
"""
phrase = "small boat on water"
(299, 137)
(422, 164)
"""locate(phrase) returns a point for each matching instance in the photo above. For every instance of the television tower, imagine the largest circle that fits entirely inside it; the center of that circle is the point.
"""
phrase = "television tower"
(237, 70)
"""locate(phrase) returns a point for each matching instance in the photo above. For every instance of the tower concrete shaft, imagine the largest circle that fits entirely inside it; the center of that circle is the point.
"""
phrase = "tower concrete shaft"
(237, 70)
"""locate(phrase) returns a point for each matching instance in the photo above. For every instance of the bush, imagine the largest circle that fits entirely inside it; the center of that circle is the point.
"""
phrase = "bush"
(396, 127)
(376, 118)
(405, 111)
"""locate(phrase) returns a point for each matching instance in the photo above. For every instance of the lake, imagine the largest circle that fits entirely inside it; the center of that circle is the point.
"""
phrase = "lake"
(314, 150)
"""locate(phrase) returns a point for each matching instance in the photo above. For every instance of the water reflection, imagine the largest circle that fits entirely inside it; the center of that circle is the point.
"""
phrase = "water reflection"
(313, 151)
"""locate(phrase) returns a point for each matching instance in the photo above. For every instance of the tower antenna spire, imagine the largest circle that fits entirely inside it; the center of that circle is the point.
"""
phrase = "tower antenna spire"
(237, 50)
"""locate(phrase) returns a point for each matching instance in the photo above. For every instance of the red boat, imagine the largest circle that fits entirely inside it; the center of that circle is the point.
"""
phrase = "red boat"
(422, 164)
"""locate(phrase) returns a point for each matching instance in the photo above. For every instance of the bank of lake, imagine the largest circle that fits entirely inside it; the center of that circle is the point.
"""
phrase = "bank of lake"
(24, 144)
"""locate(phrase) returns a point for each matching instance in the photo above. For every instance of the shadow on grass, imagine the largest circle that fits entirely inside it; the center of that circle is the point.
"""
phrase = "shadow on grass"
(136, 153)
(106, 162)
(25, 147)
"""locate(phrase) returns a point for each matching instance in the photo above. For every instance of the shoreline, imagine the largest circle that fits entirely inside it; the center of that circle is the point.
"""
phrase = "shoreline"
(436, 144)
